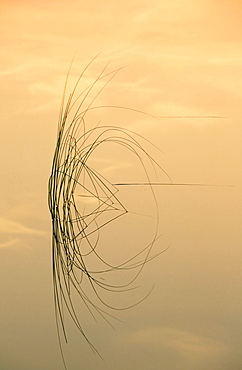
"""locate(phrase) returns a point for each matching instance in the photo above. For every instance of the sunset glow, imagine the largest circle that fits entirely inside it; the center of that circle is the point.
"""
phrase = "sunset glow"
(179, 60)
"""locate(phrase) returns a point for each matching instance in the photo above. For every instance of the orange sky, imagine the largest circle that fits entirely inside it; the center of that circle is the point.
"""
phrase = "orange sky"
(180, 58)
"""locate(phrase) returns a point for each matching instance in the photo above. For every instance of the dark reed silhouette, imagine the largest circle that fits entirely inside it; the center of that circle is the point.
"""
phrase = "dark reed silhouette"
(78, 265)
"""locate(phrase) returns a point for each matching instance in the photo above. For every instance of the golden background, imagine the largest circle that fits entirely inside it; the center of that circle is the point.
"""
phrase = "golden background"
(181, 58)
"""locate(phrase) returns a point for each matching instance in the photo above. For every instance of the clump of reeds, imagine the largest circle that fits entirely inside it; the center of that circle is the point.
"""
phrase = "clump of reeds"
(78, 264)
(77, 227)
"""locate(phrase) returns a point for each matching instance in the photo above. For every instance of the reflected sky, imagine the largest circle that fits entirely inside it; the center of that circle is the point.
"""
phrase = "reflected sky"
(179, 58)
